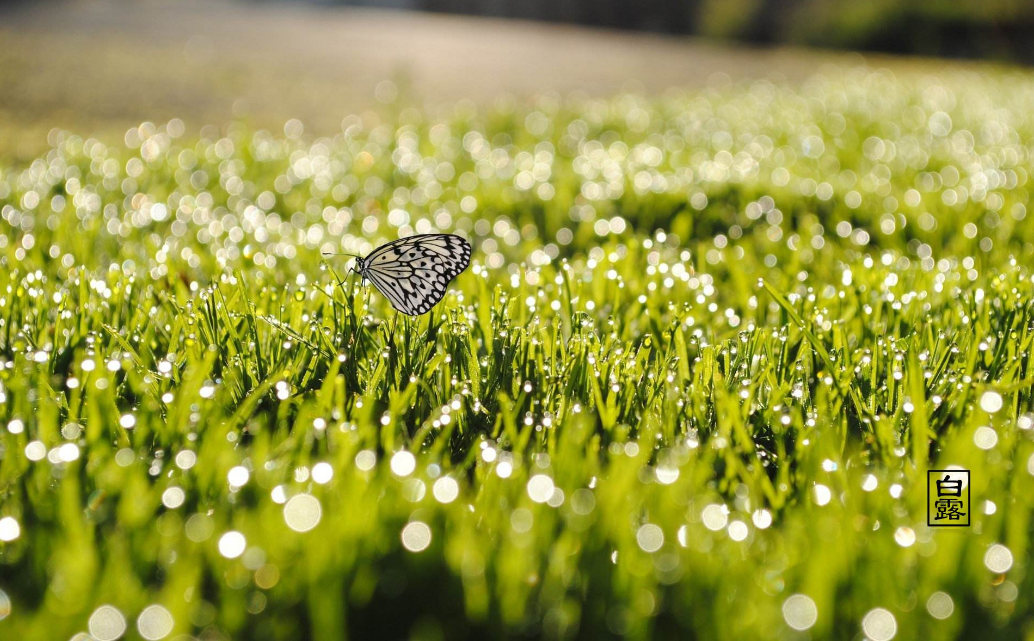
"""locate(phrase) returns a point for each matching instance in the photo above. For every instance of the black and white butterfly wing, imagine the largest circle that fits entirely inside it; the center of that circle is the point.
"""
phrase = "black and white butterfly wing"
(414, 272)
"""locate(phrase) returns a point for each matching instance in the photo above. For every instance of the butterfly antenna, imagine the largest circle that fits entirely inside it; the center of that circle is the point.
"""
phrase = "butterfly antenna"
(341, 254)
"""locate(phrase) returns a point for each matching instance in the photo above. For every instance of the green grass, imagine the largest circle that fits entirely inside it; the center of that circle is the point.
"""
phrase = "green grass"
(721, 336)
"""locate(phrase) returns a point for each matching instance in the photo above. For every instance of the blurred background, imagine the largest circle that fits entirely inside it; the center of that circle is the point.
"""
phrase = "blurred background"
(104, 65)
(956, 28)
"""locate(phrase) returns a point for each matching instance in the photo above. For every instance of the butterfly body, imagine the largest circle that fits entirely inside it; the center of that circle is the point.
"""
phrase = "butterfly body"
(413, 273)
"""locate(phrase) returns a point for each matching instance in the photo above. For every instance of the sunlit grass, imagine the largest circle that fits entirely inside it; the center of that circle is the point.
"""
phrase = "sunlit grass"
(708, 346)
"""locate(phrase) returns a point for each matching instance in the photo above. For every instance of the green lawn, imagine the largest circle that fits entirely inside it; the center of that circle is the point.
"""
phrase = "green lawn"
(690, 387)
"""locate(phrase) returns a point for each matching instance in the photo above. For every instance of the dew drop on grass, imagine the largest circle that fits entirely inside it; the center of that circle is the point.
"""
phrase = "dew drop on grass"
(107, 623)
(666, 474)
(232, 544)
(998, 558)
(522, 520)
(322, 473)
(35, 451)
(905, 536)
(403, 463)
(940, 605)
(738, 530)
(9, 529)
(238, 476)
(715, 516)
(879, 625)
(799, 612)
(445, 490)
(68, 452)
(416, 536)
(869, 483)
(155, 622)
(762, 519)
(173, 497)
(198, 528)
(185, 459)
(302, 512)
(991, 401)
(650, 537)
(985, 437)
(823, 495)
(540, 488)
(365, 460)
(583, 501)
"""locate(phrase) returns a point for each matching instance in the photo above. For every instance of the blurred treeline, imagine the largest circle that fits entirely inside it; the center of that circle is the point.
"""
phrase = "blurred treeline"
(996, 29)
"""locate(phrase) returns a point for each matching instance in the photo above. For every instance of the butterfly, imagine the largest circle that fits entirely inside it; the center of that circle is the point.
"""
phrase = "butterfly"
(414, 272)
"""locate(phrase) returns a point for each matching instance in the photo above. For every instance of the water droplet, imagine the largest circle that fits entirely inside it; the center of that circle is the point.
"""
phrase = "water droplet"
(799, 612)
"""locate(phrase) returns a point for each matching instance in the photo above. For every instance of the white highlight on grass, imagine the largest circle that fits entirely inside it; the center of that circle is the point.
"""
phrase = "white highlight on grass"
(666, 474)
(154, 623)
(823, 495)
(198, 528)
(231, 544)
(940, 605)
(302, 512)
(173, 497)
(107, 623)
(715, 516)
(556, 499)
(322, 473)
(9, 529)
(416, 536)
(879, 625)
(985, 437)
(521, 520)
(904, 536)
(186, 459)
(365, 460)
(799, 612)
(238, 476)
(413, 490)
(540, 488)
(870, 483)
(762, 519)
(403, 463)
(583, 501)
(35, 451)
(650, 538)
(738, 530)
(445, 489)
(68, 452)
(991, 401)
(682, 535)
(998, 558)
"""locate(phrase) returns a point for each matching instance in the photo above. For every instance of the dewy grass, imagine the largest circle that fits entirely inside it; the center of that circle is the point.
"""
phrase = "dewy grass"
(690, 387)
